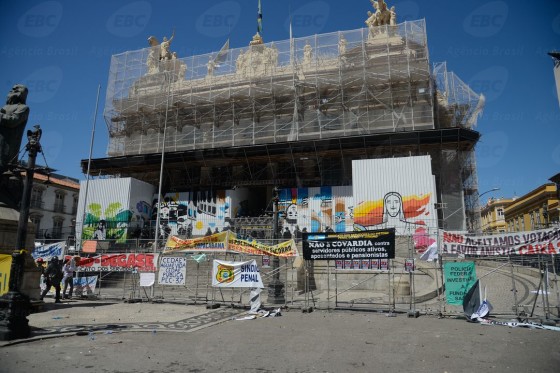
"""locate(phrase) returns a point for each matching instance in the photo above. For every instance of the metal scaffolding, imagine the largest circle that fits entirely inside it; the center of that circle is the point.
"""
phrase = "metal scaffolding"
(344, 83)
(344, 86)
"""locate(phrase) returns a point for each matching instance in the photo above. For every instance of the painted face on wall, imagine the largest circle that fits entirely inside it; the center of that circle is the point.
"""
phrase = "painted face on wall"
(393, 205)
(291, 214)
(165, 212)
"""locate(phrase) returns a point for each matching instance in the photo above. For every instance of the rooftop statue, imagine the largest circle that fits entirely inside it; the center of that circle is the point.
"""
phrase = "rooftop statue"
(307, 55)
(382, 16)
(13, 118)
(154, 55)
(257, 39)
(160, 58)
(257, 60)
(342, 45)
(165, 53)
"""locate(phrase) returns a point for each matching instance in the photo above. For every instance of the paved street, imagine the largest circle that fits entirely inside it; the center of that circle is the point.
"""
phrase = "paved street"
(163, 337)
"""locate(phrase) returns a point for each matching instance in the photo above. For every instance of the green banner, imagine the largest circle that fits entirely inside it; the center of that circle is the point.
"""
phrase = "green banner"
(459, 277)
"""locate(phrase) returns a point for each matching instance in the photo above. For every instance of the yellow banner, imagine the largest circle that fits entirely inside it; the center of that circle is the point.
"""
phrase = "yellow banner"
(5, 265)
(214, 243)
(228, 241)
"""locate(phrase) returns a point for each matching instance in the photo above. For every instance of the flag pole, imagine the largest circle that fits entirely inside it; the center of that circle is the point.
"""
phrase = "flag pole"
(89, 168)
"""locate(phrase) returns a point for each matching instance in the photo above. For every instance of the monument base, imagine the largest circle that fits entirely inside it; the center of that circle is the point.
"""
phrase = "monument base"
(9, 219)
(15, 308)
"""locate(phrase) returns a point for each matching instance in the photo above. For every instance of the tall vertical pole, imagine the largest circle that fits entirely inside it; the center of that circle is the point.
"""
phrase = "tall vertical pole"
(88, 170)
(276, 287)
(32, 148)
(158, 216)
(15, 306)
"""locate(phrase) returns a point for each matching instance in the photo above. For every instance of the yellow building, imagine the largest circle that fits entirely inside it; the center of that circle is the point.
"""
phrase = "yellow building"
(537, 209)
(493, 218)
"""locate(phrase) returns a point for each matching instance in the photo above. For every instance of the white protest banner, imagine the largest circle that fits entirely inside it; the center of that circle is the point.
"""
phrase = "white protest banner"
(84, 285)
(543, 241)
(172, 270)
(119, 263)
(236, 274)
(147, 278)
(46, 252)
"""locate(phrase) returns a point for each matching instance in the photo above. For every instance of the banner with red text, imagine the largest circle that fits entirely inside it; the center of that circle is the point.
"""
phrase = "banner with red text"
(119, 263)
(543, 241)
(228, 241)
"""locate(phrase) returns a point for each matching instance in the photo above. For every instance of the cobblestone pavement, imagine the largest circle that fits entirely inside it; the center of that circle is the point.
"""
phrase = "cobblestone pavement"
(320, 341)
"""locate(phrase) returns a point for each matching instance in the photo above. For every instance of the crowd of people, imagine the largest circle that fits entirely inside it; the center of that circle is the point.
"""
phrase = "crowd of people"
(56, 274)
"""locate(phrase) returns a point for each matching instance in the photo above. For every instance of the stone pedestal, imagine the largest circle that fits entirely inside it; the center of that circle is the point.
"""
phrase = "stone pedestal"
(15, 306)
(8, 235)
(14, 309)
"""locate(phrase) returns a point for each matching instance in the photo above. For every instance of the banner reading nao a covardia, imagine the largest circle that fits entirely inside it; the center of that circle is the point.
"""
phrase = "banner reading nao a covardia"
(236, 274)
(543, 241)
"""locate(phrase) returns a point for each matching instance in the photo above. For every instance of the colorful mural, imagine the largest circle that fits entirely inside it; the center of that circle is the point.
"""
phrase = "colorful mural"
(396, 193)
(114, 209)
(108, 224)
(192, 213)
(318, 209)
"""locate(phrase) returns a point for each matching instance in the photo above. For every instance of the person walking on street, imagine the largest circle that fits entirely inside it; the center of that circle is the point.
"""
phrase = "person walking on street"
(53, 276)
(40, 264)
(68, 270)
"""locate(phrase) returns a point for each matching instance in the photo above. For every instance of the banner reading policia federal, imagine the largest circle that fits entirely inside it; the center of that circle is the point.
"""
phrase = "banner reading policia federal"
(228, 241)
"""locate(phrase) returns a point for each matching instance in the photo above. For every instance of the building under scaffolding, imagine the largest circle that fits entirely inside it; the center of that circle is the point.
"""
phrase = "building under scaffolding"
(293, 114)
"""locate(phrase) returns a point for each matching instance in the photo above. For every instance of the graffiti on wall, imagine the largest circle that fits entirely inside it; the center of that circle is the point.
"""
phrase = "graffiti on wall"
(192, 213)
(110, 223)
(317, 209)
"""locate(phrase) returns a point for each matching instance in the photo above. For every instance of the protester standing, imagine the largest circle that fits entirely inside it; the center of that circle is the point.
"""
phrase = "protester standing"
(68, 270)
(53, 276)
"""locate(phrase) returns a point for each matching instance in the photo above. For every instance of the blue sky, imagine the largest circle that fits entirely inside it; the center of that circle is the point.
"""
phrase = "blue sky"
(62, 51)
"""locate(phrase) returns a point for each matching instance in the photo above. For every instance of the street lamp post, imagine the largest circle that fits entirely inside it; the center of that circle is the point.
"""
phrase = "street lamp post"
(478, 229)
(488, 191)
(275, 287)
(15, 305)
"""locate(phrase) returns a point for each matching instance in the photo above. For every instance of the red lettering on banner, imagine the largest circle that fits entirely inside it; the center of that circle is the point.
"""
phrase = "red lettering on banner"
(105, 260)
(121, 260)
(131, 260)
(140, 260)
(449, 237)
(113, 260)
(86, 262)
(149, 261)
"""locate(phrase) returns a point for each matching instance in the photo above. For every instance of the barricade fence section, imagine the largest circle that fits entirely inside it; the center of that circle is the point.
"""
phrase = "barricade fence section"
(522, 286)
(182, 277)
(519, 286)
